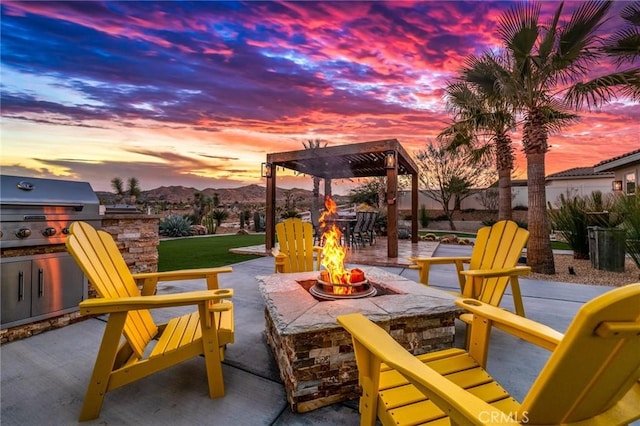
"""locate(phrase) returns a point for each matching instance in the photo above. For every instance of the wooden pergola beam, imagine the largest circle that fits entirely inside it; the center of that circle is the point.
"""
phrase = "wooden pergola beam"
(367, 159)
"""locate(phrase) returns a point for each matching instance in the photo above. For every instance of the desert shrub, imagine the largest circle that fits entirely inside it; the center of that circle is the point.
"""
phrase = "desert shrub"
(219, 215)
(175, 225)
(629, 208)
(210, 223)
(424, 217)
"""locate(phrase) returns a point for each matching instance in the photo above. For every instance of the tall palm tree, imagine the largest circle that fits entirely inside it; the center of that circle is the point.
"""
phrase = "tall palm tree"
(481, 125)
(539, 62)
(315, 200)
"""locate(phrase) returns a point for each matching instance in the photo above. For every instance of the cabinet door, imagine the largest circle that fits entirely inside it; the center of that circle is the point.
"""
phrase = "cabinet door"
(15, 280)
(57, 284)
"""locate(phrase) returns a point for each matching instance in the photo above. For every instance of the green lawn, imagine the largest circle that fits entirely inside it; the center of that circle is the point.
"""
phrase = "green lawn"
(204, 252)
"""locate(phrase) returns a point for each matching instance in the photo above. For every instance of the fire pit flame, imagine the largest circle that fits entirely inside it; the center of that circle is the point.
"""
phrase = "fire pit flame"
(336, 281)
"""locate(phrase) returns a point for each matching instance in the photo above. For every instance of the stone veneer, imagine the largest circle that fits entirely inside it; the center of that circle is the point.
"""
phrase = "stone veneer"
(137, 238)
(315, 355)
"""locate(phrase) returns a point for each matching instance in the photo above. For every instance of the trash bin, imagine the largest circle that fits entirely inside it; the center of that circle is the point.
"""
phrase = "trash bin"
(607, 248)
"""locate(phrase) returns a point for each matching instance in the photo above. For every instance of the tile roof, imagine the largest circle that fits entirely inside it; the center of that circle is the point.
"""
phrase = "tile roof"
(582, 172)
(617, 158)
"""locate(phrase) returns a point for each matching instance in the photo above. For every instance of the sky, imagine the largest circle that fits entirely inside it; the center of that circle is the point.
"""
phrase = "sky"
(197, 93)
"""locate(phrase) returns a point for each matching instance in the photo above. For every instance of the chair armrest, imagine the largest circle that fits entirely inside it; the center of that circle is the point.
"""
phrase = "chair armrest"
(462, 406)
(151, 279)
(104, 306)
(280, 260)
(423, 264)
(526, 329)
(488, 273)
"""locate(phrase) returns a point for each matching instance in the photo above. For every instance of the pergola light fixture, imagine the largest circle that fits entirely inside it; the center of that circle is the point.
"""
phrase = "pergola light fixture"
(266, 170)
(390, 160)
(616, 185)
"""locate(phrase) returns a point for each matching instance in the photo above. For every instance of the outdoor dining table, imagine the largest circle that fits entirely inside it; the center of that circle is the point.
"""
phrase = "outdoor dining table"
(346, 224)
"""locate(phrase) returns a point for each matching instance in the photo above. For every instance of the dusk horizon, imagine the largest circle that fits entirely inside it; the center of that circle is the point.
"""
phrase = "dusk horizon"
(196, 94)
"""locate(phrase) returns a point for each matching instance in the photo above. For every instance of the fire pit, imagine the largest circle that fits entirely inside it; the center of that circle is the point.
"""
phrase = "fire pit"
(315, 355)
(360, 287)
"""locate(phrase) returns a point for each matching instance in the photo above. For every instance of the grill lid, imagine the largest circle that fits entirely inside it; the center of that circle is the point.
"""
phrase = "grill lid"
(37, 192)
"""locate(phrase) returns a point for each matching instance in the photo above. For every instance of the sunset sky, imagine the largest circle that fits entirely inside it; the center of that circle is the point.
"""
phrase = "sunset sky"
(197, 93)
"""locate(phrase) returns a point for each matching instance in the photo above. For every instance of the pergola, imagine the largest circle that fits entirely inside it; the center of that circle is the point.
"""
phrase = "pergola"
(368, 159)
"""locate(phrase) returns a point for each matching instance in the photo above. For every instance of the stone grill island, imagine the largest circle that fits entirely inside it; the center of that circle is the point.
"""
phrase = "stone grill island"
(315, 355)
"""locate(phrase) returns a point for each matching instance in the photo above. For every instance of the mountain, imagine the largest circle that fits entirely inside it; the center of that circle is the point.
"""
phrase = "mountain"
(250, 194)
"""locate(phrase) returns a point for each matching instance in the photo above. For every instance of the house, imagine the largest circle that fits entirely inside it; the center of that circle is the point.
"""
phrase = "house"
(578, 181)
(626, 169)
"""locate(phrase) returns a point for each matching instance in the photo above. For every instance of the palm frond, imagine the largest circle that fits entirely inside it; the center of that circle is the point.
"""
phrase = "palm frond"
(576, 40)
(595, 92)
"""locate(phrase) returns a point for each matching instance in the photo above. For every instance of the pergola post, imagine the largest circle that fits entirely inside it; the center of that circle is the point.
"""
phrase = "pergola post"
(414, 208)
(392, 208)
(270, 225)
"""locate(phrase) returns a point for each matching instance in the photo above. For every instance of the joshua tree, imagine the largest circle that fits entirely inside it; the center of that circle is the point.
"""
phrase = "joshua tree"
(118, 188)
(133, 189)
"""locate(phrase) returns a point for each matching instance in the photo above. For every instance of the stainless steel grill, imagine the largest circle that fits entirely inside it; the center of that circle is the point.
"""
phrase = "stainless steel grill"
(39, 279)
(37, 212)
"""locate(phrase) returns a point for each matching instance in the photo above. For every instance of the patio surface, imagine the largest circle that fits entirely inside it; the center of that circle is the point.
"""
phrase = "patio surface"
(44, 377)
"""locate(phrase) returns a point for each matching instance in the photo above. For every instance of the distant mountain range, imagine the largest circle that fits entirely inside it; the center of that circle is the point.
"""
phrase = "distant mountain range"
(250, 194)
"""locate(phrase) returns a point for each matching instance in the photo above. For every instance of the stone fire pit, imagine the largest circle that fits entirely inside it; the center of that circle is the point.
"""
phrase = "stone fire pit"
(314, 353)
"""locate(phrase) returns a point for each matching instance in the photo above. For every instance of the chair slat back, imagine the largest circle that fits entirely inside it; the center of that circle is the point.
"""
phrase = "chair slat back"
(498, 246)
(295, 238)
(596, 363)
(99, 258)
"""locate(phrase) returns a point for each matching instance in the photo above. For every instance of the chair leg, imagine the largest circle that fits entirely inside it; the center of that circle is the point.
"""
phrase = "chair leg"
(517, 296)
(212, 357)
(99, 382)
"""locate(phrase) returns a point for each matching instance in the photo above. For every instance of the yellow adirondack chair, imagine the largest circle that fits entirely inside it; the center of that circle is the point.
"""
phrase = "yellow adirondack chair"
(122, 361)
(591, 378)
(296, 252)
(492, 265)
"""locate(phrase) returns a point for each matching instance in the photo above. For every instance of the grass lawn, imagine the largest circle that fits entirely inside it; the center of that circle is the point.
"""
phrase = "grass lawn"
(204, 252)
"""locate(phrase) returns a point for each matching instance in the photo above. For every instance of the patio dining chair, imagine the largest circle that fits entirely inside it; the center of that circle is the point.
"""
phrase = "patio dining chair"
(592, 376)
(127, 352)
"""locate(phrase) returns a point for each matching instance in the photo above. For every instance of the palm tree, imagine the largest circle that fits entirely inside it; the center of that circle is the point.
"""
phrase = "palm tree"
(538, 63)
(479, 114)
(623, 46)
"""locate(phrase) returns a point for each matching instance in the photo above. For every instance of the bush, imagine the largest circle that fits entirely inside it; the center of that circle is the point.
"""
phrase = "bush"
(574, 215)
(210, 223)
(424, 217)
(489, 222)
(629, 208)
(219, 215)
(175, 226)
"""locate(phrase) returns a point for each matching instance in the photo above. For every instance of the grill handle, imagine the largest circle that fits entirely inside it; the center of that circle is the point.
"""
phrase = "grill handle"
(40, 282)
(20, 286)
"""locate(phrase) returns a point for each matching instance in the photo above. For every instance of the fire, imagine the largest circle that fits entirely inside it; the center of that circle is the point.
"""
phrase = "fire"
(333, 253)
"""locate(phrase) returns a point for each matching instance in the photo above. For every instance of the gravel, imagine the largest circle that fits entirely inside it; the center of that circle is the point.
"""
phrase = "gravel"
(585, 274)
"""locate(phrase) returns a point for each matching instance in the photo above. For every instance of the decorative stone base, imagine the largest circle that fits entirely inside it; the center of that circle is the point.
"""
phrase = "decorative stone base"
(315, 355)
(20, 332)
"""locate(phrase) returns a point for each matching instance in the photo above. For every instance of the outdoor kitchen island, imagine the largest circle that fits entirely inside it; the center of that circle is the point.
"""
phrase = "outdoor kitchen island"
(315, 355)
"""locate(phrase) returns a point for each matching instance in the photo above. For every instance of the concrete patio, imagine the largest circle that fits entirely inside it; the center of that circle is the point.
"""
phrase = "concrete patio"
(44, 377)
